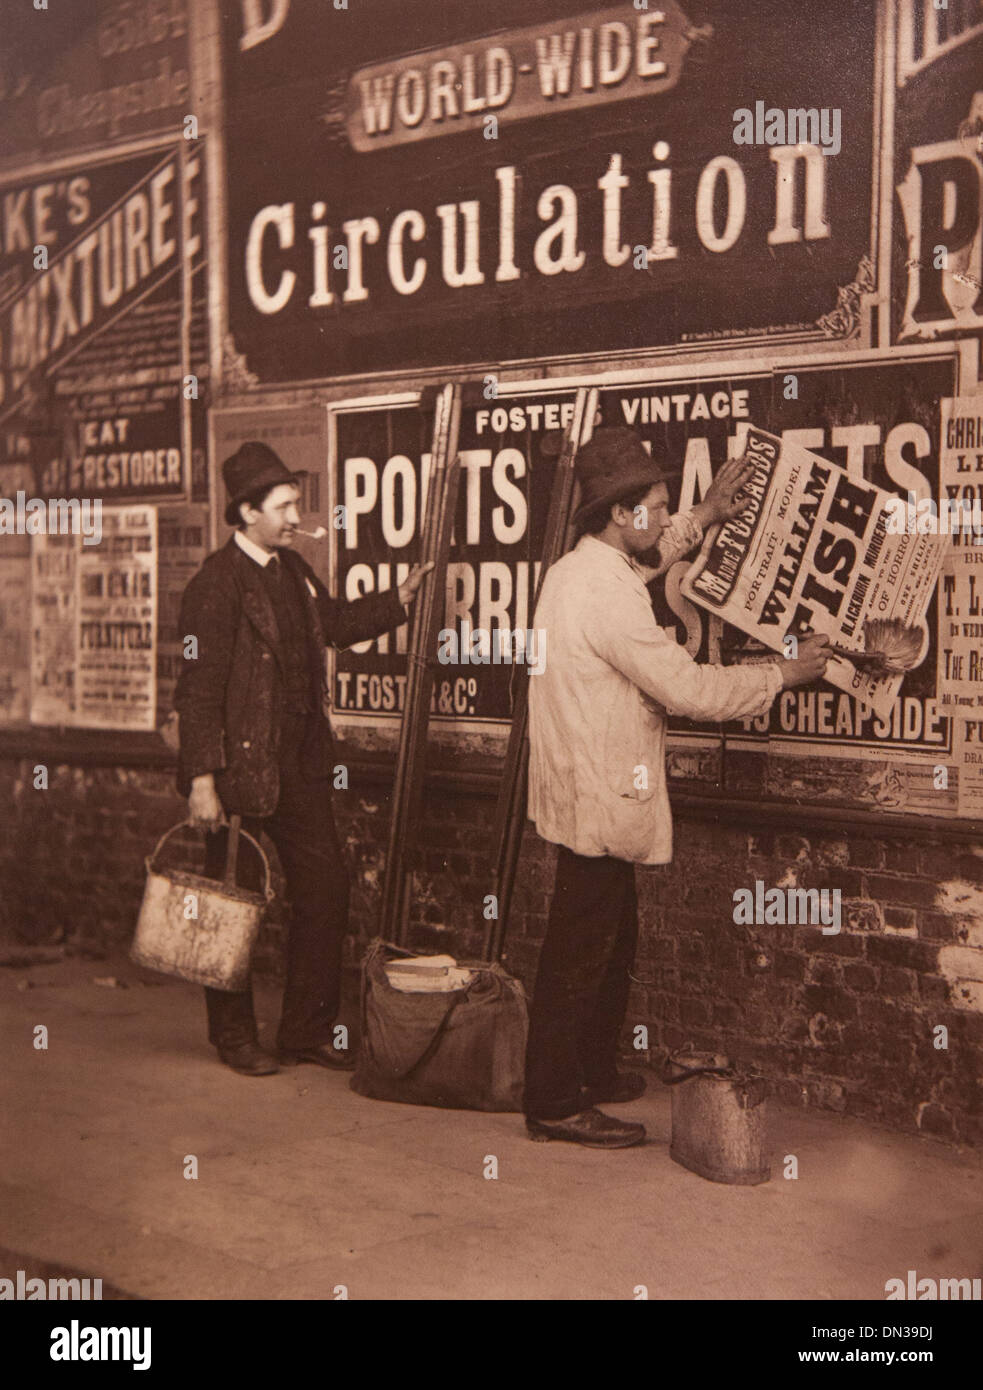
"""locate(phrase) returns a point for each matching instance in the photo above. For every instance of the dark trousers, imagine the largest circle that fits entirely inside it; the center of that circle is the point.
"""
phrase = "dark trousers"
(302, 828)
(582, 984)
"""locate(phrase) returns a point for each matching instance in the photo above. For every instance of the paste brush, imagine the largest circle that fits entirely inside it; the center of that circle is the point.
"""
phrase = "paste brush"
(890, 647)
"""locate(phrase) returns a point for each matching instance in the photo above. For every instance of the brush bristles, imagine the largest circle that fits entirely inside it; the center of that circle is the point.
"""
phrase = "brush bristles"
(896, 644)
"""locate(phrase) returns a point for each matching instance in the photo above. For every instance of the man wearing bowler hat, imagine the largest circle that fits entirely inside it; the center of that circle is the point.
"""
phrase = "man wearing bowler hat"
(254, 741)
(597, 778)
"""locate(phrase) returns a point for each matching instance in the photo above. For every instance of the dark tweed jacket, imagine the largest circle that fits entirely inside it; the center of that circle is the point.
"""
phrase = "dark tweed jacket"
(230, 699)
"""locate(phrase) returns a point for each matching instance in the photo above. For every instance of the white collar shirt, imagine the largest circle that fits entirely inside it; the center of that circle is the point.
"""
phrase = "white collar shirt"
(254, 551)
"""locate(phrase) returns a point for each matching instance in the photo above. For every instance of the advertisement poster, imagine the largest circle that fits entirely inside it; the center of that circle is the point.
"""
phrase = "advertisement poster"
(502, 503)
(118, 71)
(818, 551)
(961, 607)
(937, 249)
(510, 185)
(117, 622)
(54, 628)
(106, 303)
(15, 629)
(94, 624)
(15, 589)
(55, 213)
(125, 443)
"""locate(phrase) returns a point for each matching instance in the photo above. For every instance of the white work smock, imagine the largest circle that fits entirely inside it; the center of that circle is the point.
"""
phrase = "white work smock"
(597, 712)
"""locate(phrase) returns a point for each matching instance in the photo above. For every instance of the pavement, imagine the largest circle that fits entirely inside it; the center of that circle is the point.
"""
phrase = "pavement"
(305, 1190)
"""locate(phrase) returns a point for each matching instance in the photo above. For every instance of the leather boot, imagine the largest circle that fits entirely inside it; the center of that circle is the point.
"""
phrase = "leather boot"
(592, 1128)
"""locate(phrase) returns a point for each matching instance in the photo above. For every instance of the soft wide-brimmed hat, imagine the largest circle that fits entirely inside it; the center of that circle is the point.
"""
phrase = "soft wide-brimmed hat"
(253, 466)
(613, 463)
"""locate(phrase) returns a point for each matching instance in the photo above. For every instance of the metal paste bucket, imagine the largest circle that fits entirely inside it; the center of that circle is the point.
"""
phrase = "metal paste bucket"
(718, 1119)
(200, 929)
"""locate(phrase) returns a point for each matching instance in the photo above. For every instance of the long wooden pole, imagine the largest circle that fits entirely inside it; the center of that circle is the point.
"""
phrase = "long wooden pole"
(428, 612)
(510, 813)
(187, 290)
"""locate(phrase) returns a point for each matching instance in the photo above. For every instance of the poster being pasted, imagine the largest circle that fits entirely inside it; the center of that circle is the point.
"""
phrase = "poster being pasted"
(817, 550)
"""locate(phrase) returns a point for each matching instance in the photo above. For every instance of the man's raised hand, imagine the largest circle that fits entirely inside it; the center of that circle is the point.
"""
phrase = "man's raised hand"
(407, 590)
(724, 500)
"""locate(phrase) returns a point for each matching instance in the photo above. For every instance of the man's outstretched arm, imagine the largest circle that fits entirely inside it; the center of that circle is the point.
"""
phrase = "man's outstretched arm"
(628, 638)
(346, 621)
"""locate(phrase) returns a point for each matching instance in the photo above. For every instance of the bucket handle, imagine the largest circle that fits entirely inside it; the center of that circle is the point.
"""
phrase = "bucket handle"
(235, 830)
(679, 1056)
(669, 1080)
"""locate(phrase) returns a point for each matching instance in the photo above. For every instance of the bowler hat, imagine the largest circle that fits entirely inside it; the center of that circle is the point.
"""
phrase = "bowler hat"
(252, 467)
(614, 463)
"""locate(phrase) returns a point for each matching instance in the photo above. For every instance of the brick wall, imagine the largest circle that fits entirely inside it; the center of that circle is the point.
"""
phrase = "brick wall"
(843, 1022)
